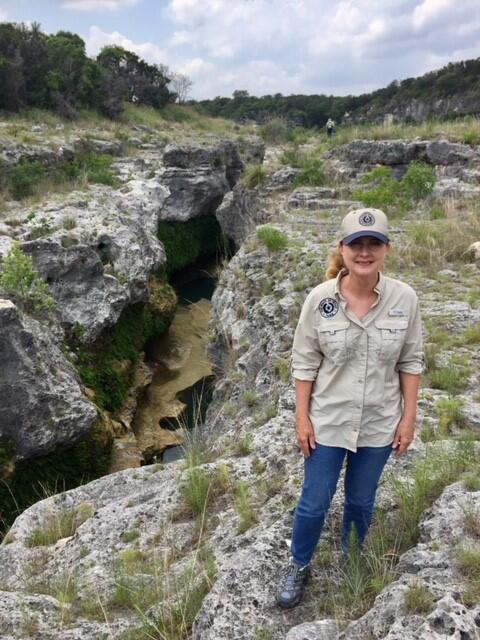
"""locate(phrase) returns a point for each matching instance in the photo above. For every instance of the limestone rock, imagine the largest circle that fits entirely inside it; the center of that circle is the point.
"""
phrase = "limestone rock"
(430, 564)
(222, 156)
(239, 213)
(192, 192)
(282, 179)
(320, 630)
(42, 403)
(474, 249)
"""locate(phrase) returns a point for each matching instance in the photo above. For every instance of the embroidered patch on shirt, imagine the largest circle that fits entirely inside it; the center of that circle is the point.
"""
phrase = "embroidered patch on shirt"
(328, 308)
(397, 313)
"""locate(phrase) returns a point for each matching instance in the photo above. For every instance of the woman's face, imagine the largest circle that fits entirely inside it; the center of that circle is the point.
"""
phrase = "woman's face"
(364, 257)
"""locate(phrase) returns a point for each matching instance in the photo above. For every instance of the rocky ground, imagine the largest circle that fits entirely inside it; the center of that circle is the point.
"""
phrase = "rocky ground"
(133, 554)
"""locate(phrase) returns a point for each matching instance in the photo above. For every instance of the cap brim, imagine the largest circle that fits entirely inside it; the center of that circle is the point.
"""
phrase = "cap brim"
(365, 234)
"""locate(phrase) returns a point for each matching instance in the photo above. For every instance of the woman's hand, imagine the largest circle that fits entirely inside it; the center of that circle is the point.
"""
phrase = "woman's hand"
(403, 436)
(305, 434)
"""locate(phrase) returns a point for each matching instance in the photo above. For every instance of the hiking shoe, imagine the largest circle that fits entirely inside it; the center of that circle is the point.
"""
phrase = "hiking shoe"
(292, 585)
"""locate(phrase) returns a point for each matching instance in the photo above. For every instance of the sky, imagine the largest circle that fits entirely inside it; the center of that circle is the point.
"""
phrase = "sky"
(272, 46)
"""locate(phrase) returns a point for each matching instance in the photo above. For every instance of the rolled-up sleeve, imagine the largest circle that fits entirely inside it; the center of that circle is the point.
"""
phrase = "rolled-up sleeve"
(411, 355)
(306, 354)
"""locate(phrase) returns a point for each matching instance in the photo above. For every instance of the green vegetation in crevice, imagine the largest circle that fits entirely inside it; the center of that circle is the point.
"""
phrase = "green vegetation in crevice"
(187, 242)
(107, 366)
(66, 468)
(30, 178)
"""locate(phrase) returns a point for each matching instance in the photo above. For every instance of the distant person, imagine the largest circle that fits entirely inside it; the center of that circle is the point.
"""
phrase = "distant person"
(356, 360)
(330, 127)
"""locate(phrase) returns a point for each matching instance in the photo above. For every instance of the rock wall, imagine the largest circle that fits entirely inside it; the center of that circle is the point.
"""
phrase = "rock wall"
(415, 110)
(96, 250)
(42, 401)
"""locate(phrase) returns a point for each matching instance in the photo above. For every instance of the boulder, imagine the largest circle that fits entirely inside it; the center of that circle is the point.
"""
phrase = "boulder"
(239, 213)
(42, 403)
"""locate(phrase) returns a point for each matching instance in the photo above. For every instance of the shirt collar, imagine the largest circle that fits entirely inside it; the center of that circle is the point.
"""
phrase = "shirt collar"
(379, 287)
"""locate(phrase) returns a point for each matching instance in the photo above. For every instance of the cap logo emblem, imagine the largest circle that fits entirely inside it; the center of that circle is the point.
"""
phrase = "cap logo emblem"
(328, 308)
(367, 219)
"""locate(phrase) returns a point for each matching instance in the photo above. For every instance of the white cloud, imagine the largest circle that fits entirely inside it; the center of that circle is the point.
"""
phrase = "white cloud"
(3, 15)
(149, 51)
(180, 37)
(97, 5)
(429, 10)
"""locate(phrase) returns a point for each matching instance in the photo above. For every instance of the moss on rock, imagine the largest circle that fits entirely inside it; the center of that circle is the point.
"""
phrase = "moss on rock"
(187, 242)
(107, 366)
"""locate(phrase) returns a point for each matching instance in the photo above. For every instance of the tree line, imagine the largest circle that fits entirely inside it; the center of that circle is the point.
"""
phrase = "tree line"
(54, 72)
(314, 110)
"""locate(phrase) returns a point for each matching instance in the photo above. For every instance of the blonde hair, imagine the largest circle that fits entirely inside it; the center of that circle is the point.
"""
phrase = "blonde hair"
(334, 264)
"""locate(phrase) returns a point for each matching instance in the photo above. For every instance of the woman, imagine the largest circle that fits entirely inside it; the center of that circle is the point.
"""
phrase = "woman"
(356, 360)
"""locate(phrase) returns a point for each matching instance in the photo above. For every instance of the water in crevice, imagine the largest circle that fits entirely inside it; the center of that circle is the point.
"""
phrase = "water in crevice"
(177, 398)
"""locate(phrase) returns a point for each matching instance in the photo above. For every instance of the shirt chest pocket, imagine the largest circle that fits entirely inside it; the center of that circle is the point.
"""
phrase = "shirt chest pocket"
(332, 337)
(393, 332)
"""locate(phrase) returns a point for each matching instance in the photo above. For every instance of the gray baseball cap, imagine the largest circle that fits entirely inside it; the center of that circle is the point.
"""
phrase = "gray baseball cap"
(364, 222)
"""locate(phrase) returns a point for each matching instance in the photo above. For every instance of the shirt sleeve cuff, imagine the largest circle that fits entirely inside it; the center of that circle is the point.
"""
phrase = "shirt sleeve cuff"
(304, 374)
(415, 369)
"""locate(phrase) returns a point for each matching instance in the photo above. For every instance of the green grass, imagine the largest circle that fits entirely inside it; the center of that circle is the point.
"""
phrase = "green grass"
(272, 238)
(452, 378)
(418, 600)
(60, 524)
(350, 588)
(468, 561)
(254, 176)
(450, 415)
(244, 507)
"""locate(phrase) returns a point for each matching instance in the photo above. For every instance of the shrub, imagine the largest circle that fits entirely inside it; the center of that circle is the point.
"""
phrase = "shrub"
(272, 238)
(25, 177)
(312, 174)
(418, 181)
(275, 130)
(383, 190)
(20, 280)
(254, 176)
(450, 413)
(97, 167)
(418, 599)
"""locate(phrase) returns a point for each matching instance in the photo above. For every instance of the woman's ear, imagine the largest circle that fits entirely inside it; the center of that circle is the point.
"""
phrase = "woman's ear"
(340, 248)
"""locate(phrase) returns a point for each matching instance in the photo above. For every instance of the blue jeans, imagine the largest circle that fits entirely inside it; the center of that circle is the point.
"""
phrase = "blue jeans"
(322, 469)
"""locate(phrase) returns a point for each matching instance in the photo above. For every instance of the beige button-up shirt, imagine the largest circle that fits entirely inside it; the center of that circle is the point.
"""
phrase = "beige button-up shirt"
(356, 399)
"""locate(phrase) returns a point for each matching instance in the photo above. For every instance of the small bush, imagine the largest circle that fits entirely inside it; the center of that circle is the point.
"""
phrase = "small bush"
(418, 181)
(312, 174)
(250, 398)
(452, 378)
(97, 167)
(450, 414)
(24, 178)
(418, 600)
(272, 238)
(254, 176)
(471, 481)
(20, 280)
(275, 131)
(468, 561)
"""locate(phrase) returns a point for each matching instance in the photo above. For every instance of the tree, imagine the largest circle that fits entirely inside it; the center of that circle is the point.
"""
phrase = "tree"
(20, 280)
(181, 85)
